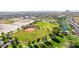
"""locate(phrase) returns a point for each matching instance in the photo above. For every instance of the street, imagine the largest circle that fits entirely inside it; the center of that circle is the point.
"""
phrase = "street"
(75, 26)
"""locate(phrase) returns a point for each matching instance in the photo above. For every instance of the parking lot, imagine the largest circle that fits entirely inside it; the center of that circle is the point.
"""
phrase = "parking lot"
(12, 27)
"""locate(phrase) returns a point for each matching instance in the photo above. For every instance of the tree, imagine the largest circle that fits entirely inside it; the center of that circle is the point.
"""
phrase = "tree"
(13, 44)
(20, 46)
(11, 32)
(42, 45)
(2, 33)
(56, 30)
(55, 39)
(36, 46)
(3, 36)
(38, 40)
(29, 43)
(33, 42)
(8, 35)
(18, 29)
(16, 41)
(44, 39)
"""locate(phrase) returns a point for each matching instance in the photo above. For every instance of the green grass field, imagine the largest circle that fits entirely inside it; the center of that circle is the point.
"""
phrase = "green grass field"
(38, 33)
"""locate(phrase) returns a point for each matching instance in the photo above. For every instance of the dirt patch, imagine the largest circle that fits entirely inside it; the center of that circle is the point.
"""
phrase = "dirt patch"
(29, 29)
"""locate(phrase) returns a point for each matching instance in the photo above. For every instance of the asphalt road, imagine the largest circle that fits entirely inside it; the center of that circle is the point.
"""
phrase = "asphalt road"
(75, 26)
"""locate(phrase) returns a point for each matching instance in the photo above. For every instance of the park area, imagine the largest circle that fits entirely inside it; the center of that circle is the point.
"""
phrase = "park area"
(42, 29)
(39, 35)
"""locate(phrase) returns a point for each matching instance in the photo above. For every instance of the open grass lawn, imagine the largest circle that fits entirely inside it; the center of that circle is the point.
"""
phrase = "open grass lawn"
(64, 42)
(44, 29)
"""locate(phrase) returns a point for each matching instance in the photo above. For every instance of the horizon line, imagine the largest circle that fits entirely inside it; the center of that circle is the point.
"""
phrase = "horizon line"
(42, 11)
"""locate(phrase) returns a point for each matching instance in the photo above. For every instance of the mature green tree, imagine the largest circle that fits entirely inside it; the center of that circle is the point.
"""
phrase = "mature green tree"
(16, 41)
(13, 44)
(38, 40)
(56, 30)
(3, 36)
(20, 46)
(11, 32)
(18, 29)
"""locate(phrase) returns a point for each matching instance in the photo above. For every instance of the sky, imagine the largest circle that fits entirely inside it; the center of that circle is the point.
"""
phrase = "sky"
(38, 5)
